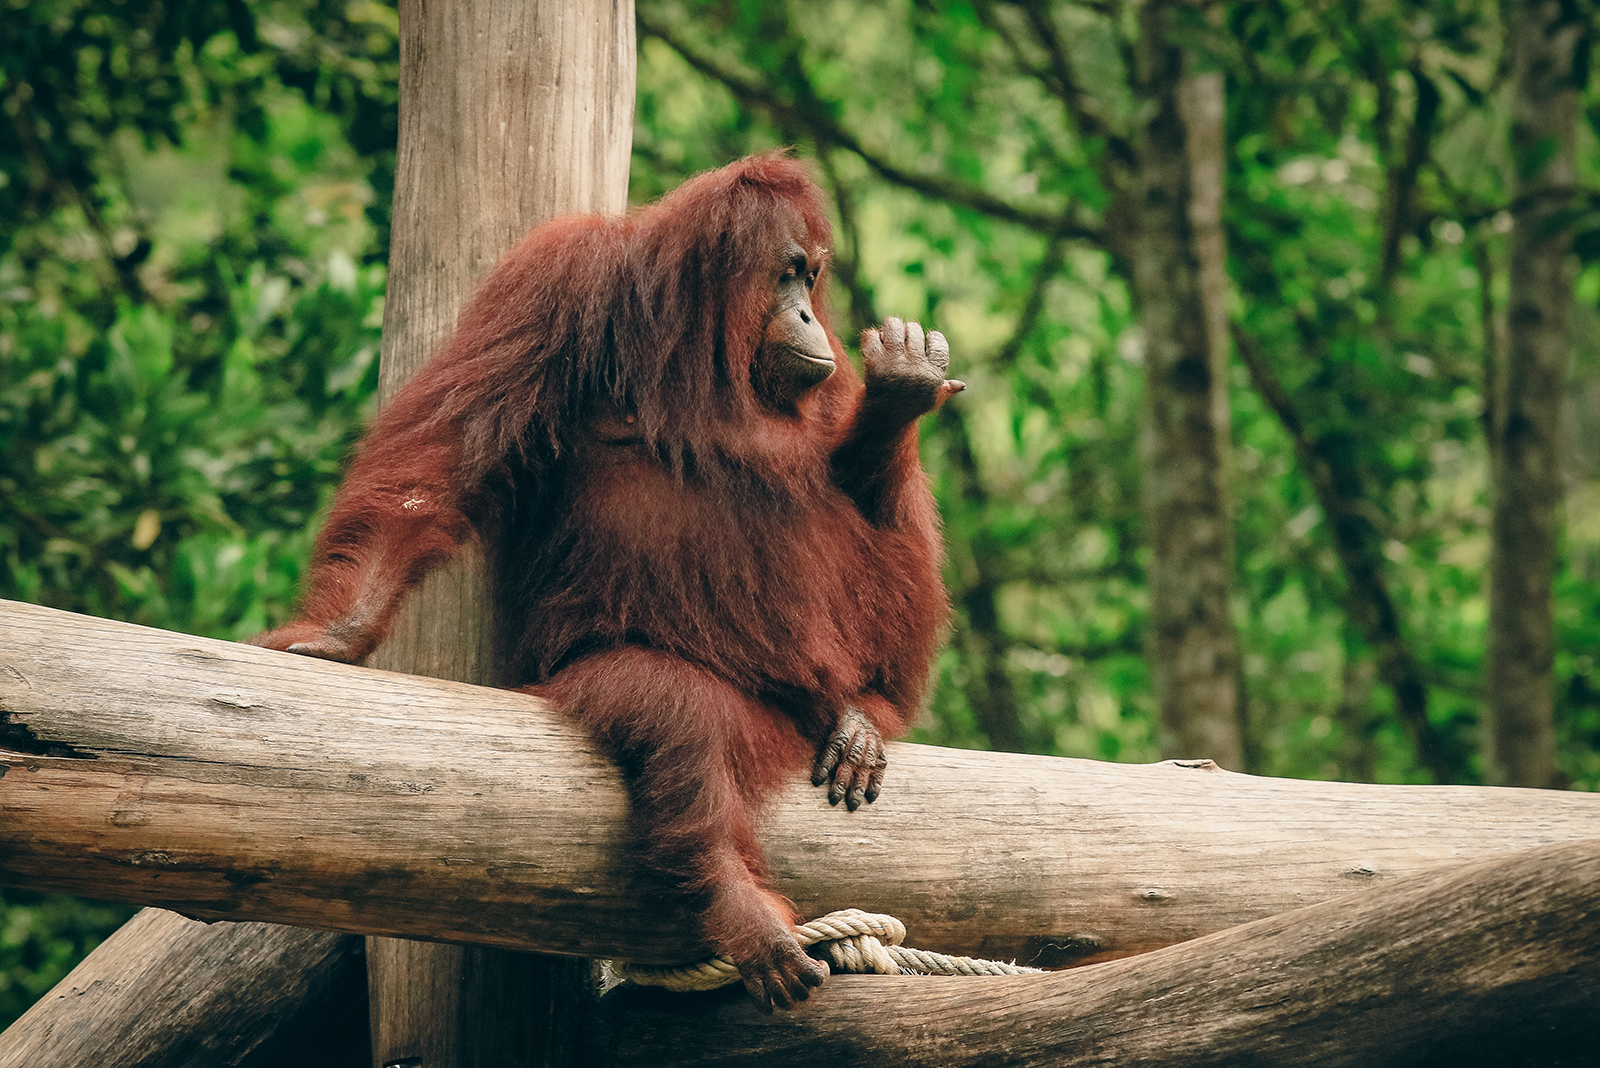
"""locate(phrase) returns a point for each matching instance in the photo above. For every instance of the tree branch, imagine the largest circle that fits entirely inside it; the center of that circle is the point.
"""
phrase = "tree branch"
(1368, 601)
(810, 114)
(847, 266)
(1061, 79)
(1055, 255)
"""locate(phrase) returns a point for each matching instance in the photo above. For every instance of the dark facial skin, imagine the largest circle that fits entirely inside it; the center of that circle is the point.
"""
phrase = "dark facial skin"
(795, 352)
(795, 355)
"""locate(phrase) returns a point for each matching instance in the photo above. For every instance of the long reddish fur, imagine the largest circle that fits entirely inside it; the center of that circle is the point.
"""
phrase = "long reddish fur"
(708, 615)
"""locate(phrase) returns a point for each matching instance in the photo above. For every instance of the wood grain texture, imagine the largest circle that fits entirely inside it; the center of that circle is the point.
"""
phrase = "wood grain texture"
(449, 1004)
(511, 113)
(232, 782)
(165, 992)
(1496, 963)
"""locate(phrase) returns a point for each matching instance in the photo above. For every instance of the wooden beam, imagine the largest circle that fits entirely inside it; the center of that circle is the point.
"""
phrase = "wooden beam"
(1496, 963)
(230, 782)
(511, 112)
(167, 992)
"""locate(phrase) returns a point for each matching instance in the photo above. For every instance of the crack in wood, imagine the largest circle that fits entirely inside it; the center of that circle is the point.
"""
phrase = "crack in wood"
(200, 655)
(18, 737)
(242, 767)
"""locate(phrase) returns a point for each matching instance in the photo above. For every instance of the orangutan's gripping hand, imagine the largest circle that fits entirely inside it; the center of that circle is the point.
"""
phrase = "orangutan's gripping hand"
(782, 977)
(852, 761)
(905, 371)
(323, 642)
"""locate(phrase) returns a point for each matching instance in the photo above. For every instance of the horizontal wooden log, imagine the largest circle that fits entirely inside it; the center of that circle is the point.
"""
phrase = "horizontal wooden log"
(1496, 963)
(230, 782)
(168, 992)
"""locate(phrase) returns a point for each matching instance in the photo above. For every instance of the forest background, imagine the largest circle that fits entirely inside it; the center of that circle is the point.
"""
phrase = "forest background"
(194, 223)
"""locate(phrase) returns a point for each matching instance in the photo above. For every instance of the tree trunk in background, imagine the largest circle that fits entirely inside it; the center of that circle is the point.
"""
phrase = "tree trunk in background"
(1369, 607)
(991, 692)
(1178, 281)
(1519, 739)
(1358, 724)
(1202, 104)
(510, 113)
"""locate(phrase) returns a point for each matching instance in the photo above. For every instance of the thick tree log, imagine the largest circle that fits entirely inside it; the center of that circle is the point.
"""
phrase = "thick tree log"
(511, 112)
(1493, 963)
(230, 782)
(166, 992)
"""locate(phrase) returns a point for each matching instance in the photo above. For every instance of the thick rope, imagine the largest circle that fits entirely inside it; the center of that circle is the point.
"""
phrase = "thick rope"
(850, 941)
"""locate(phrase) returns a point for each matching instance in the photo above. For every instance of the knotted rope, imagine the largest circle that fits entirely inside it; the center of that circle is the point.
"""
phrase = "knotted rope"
(850, 941)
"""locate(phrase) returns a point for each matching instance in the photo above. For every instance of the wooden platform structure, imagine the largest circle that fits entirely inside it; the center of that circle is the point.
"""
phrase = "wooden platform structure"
(1307, 922)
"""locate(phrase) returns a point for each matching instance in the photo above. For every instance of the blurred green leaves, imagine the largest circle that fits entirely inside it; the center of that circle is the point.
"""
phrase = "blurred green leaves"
(189, 301)
(42, 936)
(194, 212)
(193, 228)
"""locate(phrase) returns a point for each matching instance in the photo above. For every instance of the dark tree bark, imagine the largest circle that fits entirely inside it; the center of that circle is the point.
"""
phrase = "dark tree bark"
(1368, 603)
(1358, 723)
(991, 691)
(1519, 739)
(1175, 254)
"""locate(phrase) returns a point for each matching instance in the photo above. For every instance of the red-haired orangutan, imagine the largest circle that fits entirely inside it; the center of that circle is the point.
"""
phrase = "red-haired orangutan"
(717, 548)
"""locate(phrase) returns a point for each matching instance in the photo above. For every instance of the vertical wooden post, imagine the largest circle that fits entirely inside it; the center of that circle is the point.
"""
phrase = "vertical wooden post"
(511, 112)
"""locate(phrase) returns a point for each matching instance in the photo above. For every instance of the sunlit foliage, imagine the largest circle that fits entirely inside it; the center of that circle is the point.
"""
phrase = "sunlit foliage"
(194, 225)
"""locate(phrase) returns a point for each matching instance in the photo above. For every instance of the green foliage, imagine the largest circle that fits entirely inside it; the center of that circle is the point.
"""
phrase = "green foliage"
(1367, 175)
(191, 289)
(189, 305)
(194, 211)
(42, 936)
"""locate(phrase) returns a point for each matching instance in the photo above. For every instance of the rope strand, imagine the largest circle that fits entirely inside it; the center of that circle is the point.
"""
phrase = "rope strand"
(851, 941)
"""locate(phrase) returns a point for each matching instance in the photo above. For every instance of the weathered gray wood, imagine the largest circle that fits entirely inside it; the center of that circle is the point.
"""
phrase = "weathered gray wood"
(511, 112)
(1496, 963)
(237, 783)
(165, 992)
